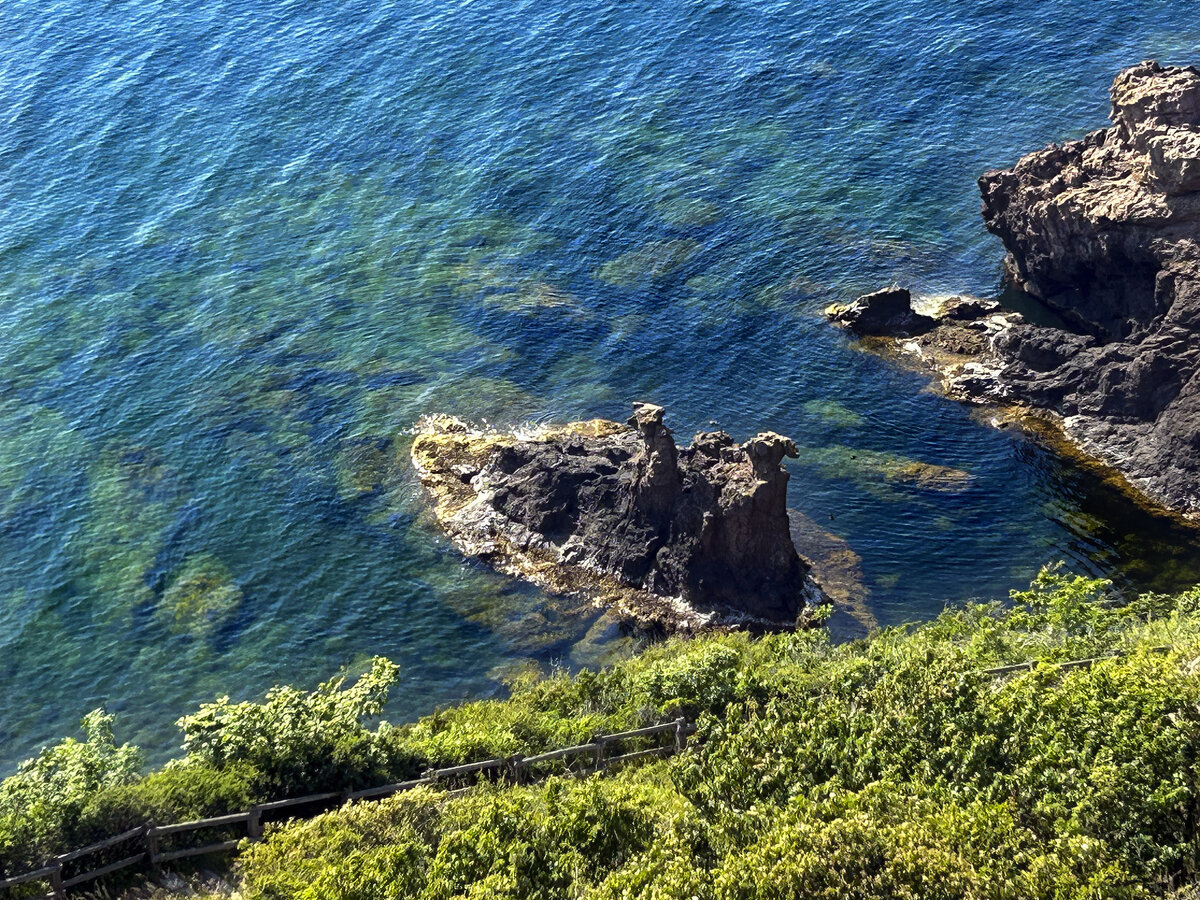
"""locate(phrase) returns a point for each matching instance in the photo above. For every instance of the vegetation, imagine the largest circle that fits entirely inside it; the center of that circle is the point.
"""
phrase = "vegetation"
(236, 754)
(296, 742)
(49, 792)
(891, 767)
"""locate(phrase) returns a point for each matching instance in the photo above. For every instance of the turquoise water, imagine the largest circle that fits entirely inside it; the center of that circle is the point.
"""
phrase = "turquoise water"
(244, 245)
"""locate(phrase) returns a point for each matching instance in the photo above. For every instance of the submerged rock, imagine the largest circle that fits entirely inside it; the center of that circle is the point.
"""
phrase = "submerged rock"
(655, 260)
(673, 537)
(836, 567)
(1105, 232)
(860, 464)
(201, 597)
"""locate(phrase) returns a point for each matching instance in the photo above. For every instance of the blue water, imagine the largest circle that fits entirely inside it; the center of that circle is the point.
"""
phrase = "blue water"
(244, 245)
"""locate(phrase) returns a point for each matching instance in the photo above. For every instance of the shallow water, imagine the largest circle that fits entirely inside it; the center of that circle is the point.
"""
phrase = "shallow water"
(244, 245)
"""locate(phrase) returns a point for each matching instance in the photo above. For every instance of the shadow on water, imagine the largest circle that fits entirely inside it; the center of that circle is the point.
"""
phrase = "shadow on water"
(1033, 309)
(1110, 533)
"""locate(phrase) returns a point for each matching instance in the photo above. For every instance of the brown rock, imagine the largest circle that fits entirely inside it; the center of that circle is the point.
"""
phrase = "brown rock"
(1088, 225)
(1106, 232)
(670, 536)
(884, 312)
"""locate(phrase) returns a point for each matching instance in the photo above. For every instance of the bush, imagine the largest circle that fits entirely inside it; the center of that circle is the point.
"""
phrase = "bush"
(295, 742)
(40, 803)
(299, 741)
(891, 767)
(537, 842)
(367, 850)
(178, 793)
(900, 842)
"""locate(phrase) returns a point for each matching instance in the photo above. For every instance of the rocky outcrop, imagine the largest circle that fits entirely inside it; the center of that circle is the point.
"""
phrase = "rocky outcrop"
(675, 537)
(958, 343)
(1105, 231)
(1101, 229)
(888, 311)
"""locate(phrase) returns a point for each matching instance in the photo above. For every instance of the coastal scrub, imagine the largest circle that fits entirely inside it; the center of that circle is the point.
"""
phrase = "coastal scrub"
(900, 765)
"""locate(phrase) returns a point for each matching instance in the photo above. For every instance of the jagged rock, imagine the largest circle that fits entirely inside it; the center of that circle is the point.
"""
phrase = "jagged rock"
(885, 312)
(965, 309)
(1105, 231)
(1090, 224)
(675, 537)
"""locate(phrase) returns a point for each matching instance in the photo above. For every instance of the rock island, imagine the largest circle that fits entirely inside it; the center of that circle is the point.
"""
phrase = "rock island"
(676, 538)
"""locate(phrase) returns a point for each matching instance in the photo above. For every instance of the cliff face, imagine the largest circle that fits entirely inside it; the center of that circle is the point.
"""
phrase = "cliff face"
(1102, 228)
(1106, 232)
(677, 537)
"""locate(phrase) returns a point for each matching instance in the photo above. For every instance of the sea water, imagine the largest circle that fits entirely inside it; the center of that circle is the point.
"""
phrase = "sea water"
(244, 245)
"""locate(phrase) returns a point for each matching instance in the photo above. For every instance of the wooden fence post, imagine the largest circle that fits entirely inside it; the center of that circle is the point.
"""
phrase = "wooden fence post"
(152, 845)
(680, 734)
(56, 882)
(598, 762)
(516, 765)
(254, 823)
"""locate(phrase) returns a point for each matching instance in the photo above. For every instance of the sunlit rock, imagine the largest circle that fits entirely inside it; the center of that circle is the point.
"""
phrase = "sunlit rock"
(1104, 232)
(673, 537)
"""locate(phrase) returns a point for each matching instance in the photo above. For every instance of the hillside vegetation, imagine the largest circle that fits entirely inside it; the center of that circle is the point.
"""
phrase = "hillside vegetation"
(890, 767)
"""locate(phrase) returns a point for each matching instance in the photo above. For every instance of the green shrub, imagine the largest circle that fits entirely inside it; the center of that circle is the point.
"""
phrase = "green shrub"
(300, 741)
(366, 850)
(48, 793)
(891, 767)
(178, 793)
(295, 742)
(537, 842)
(896, 766)
(899, 842)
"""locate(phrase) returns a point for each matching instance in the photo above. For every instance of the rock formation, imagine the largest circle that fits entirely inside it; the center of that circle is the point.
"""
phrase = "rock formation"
(1105, 232)
(1102, 228)
(675, 537)
(888, 311)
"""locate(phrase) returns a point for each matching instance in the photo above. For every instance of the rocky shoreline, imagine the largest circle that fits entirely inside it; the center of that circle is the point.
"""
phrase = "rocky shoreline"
(673, 538)
(1105, 233)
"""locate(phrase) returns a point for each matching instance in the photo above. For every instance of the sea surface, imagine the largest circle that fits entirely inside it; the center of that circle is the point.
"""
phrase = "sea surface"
(244, 245)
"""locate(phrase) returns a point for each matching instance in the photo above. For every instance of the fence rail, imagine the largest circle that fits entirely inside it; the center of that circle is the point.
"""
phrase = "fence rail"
(1068, 664)
(515, 768)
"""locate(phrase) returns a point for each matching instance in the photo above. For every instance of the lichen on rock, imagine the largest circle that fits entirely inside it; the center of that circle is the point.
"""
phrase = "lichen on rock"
(677, 538)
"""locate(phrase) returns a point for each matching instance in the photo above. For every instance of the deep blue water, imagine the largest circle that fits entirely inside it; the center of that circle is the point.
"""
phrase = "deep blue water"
(244, 245)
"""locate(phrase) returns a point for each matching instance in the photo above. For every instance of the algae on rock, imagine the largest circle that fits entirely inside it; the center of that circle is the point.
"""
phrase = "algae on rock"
(200, 597)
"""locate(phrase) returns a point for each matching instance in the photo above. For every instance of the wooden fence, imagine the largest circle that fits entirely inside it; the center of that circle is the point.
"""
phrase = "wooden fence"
(1068, 664)
(153, 845)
